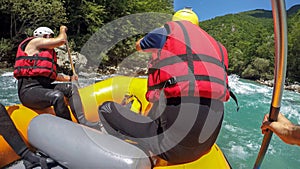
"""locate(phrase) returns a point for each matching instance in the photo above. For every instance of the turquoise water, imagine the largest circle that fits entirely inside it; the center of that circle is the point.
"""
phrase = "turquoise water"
(8, 89)
(240, 137)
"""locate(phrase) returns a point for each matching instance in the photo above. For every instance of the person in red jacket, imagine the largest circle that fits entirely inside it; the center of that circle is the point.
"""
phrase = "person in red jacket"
(10, 133)
(187, 84)
(36, 68)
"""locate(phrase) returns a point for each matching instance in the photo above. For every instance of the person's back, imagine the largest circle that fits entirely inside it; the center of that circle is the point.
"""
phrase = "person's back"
(191, 67)
(191, 57)
(187, 84)
(36, 68)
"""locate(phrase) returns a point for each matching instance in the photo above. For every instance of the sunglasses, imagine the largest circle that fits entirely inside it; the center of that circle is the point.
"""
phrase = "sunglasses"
(48, 36)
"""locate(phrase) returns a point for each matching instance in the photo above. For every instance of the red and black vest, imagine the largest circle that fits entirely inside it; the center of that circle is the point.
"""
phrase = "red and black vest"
(191, 63)
(41, 64)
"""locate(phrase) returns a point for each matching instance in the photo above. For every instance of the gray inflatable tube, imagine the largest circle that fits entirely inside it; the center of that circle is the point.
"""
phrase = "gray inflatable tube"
(77, 146)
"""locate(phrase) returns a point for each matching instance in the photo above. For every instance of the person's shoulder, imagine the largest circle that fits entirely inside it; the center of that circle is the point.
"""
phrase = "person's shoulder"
(35, 39)
(41, 42)
(160, 30)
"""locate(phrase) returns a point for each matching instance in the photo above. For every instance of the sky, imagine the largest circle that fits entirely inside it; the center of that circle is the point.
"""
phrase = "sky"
(208, 9)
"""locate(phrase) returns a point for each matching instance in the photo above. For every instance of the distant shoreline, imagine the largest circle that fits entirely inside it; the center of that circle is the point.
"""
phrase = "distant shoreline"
(291, 87)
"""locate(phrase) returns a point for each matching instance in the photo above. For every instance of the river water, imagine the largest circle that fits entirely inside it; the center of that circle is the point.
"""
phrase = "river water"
(240, 137)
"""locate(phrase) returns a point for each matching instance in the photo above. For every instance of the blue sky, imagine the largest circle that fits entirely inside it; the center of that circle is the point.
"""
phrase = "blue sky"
(207, 9)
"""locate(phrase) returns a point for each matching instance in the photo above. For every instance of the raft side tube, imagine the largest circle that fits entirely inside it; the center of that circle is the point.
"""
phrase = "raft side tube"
(77, 146)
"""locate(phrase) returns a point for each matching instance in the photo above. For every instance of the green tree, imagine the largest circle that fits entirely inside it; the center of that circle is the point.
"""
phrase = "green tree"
(84, 18)
(27, 15)
(247, 38)
(23, 16)
(293, 65)
(115, 10)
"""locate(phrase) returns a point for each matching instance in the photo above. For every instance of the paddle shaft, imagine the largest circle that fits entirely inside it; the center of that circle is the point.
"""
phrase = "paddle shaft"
(70, 58)
(280, 32)
(71, 62)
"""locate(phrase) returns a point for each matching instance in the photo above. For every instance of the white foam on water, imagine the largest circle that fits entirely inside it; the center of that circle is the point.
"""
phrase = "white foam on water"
(238, 151)
(241, 139)
(272, 150)
(247, 88)
(7, 74)
(291, 113)
(232, 128)
(252, 145)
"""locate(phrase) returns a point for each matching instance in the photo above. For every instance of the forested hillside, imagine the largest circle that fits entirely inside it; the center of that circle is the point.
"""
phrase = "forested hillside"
(249, 39)
(248, 36)
(82, 17)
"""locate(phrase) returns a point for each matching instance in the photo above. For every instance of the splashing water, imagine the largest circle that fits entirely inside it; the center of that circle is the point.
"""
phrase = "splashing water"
(240, 137)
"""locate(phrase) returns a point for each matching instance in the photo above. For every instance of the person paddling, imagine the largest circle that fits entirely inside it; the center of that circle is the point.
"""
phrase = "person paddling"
(283, 128)
(36, 68)
(187, 84)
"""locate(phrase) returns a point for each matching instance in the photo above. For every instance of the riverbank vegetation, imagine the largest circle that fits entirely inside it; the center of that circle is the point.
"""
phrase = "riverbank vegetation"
(248, 36)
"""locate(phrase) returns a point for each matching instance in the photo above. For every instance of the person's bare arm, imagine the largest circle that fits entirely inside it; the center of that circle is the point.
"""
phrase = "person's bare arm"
(36, 44)
(138, 45)
(283, 128)
(296, 134)
(64, 78)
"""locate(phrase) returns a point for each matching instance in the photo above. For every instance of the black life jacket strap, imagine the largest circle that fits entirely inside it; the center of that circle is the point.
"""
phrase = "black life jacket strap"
(170, 82)
(173, 81)
(233, 96)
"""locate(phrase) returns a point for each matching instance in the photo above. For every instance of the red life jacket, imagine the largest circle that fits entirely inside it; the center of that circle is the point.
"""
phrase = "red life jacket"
(40, 64)
(191, 63)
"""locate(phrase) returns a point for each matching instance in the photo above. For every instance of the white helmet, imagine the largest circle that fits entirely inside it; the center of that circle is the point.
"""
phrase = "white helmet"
(41, 31)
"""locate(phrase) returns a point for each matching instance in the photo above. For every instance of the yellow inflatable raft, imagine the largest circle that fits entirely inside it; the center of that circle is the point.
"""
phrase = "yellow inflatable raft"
(118, 89)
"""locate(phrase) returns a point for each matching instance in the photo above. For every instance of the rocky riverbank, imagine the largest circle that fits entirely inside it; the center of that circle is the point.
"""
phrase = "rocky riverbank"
(126, 68)
(293, 87)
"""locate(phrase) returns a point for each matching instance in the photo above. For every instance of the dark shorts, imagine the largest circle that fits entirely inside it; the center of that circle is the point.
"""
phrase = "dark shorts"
(39, 93)
(181, 131)
(36, 92)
